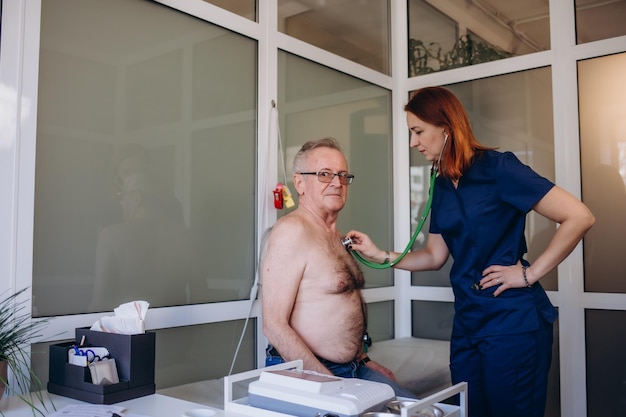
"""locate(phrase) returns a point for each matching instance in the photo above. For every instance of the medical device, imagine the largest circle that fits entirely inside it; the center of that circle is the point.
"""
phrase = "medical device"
(346, 241)
(307, 393)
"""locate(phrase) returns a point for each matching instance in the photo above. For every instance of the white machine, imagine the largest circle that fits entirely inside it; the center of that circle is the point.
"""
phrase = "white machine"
(307, 393)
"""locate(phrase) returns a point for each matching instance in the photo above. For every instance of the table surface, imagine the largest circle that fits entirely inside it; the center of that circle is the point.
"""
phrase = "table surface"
(159, 405)
(155, 405)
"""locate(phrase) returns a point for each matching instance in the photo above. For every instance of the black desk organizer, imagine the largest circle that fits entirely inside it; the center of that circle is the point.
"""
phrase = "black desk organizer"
(134, 357)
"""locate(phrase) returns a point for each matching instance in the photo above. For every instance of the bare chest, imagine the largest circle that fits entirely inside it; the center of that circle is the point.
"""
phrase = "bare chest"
(332, 270)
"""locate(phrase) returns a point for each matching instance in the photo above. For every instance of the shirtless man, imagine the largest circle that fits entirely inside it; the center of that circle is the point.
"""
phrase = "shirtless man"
(311, 287)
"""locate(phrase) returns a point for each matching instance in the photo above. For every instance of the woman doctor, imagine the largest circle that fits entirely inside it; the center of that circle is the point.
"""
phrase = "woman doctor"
(502, 334)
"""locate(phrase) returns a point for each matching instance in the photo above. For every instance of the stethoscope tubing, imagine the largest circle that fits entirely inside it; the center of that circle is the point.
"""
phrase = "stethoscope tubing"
(418, 229)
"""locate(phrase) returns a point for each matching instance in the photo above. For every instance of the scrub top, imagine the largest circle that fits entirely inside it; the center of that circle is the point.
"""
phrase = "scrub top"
(482, 222)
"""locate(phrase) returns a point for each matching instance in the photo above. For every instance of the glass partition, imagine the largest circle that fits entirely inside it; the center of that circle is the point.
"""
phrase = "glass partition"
(512, 112)
(606, 370)
(446, 34)
(380, 320)
(432, 319)
(315, 102)
(144, 130)
(354, 29)
(597, 20)
(601, 86)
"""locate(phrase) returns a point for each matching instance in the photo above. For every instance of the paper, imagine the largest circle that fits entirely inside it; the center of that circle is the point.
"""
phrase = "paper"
(104, 372)
(129, 319)
(88, 410)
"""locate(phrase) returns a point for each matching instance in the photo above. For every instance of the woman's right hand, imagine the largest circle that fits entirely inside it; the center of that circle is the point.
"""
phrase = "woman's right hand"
(362, 243)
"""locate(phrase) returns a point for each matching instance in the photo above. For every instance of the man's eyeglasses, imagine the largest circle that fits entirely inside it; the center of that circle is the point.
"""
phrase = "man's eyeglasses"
(327, 176)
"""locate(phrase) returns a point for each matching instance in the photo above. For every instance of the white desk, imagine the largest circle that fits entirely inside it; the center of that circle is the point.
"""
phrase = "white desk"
(155, 405)
(235, 401)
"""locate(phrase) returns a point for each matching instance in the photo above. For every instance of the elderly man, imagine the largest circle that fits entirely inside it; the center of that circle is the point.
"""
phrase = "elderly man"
(313, 308)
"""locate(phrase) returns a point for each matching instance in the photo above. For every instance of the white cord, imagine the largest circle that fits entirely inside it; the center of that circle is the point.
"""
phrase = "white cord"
(255, 285)
(253, 294)
(280, 147)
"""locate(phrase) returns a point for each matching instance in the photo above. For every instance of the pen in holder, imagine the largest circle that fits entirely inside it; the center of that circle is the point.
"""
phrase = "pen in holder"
(76, 372)
(83, 356)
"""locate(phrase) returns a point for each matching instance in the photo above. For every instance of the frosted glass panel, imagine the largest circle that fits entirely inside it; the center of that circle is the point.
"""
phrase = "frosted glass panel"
(606, 368)
(602, 86)
(354, 29)
(317, 102)
(512, 112)
(432, 319)
(145, 170)
(380, 322)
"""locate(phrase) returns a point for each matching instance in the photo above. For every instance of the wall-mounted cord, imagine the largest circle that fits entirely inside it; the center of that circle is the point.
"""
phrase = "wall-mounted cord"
(274, 121)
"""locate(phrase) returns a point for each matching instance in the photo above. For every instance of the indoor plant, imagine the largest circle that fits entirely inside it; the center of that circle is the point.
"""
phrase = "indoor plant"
(17, 332)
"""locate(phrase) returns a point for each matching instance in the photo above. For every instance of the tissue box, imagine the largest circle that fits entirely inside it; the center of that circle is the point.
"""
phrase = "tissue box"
(134, 356)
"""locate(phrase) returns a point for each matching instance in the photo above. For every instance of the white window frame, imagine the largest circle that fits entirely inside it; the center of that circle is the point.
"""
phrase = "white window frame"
(18, 95)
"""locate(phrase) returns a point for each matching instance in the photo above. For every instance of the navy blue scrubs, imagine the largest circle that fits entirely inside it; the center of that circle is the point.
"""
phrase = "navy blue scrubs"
(501, 345)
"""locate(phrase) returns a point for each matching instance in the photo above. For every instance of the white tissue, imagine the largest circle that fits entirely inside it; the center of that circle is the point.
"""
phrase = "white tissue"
(129, 319)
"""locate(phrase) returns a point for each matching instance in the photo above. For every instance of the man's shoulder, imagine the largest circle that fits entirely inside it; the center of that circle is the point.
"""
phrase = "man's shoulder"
(296, 219)
(292, 223)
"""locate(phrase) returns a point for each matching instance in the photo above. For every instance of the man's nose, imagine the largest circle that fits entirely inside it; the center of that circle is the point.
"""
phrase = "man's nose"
(335, 177)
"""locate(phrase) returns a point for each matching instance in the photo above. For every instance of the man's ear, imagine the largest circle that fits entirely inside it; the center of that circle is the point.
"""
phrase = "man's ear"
(298, 183)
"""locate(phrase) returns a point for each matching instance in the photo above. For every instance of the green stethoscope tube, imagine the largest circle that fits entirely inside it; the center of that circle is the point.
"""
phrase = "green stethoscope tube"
(385, 265)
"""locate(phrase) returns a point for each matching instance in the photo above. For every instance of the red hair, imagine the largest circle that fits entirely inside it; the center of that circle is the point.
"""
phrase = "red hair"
(438, 106)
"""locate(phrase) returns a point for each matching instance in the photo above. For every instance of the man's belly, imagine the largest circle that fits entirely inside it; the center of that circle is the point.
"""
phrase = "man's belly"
(332, 332)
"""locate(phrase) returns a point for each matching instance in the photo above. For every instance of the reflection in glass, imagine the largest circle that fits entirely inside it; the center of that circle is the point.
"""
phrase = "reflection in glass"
(445, 34)
(601, 91)
(599, 19)
(319, 102)
(354, 29)
(136, 127)
(137, 257)
(501, 117)
(606, 369)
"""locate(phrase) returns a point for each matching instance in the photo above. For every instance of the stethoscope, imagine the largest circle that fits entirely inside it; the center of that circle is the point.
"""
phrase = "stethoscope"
(346, 241)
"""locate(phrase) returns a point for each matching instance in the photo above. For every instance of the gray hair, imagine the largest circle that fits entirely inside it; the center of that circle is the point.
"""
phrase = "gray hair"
(299, 160)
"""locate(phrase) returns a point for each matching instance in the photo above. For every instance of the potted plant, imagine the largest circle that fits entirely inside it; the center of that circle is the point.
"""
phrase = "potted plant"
(17, 332)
